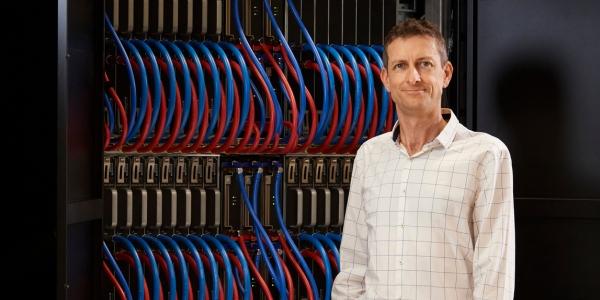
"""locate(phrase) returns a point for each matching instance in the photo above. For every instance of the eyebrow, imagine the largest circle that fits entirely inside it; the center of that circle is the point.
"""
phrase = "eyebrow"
(418, 59)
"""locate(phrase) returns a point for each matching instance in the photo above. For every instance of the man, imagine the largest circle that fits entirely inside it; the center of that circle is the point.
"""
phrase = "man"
(430, 209)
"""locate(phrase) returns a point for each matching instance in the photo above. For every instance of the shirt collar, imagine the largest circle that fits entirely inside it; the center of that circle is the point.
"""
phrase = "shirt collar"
(445, 137)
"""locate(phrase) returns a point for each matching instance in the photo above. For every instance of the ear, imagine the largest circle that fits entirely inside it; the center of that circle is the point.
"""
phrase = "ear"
(448, 69)
(385, 79)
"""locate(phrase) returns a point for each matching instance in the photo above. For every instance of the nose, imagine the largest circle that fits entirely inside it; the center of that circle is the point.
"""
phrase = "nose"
(413, 75)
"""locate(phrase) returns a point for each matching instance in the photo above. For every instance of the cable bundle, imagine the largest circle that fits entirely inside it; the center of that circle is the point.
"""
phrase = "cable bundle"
(237, 96)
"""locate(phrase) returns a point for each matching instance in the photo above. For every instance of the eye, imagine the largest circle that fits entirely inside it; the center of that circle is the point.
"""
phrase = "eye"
(399, 66)
(425, 64)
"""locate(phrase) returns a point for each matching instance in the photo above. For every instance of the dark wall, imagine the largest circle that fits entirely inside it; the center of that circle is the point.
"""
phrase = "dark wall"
(537, 88)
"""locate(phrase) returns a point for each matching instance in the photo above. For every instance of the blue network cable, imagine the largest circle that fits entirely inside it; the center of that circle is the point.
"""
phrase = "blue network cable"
(228, 273)
(278, 112)
(259, 240)
(240, 255)
(319, 247)
(261, 108)
(228, 78)
(110, 112)
(187, 88)
(194, 252)
(172, 83)
(144, 86)
(334, 237)
(329, 243)
(216, 108)
(260, 234)
(357, 84)
(156, 81)
(183, 270)
(155, 293)
(327, 99)
(172, 292)
(245, 82)
(132, 89)
(139, 271)
(259, 67)
(238, 282)
(117, 270)
(288, 237)
(345, 85)
(378, 48)
(199, 79)
(370, 85)
(327, 111)
(294, 62)
(214, 267)
(384, 94)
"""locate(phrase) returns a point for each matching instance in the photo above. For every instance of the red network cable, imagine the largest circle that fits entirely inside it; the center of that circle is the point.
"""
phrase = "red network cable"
(353, 146)
(325, 146)
(292, 142)
(311, 105)
(162, 267)
(311, 65)
(333, 262)
(204, 118)
(114, 281)
(192, 263)
(288, 277)
(106, 136)
(160, 125)
(193, 118)
(145, 128)
(222, 265)
(122, 115)
(256, 132)
(208, 267)
(347, 123)
(238, 265)
(176, 263)
(257, 276)
(176, 121)
(296, 265)
(270, 105)
(242, 145)
(126, 257)
(315, 257)
(147, 117)
(389, 116)
(233, 128)
(373, 126)
(286, 271)
(146, 262)
(390, 112)
(222, 117)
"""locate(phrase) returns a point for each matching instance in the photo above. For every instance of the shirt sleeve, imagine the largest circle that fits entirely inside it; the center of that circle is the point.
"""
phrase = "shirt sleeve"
(349, 283)
(494, 229)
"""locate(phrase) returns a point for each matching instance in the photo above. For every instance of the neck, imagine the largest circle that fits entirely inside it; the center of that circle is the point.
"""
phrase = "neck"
(417, 130)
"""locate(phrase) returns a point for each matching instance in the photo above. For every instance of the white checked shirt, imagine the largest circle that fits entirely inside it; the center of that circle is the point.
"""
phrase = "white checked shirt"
(435, 225)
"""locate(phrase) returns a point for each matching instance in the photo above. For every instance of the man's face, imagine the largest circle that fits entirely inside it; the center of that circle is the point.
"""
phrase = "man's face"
(415, 75)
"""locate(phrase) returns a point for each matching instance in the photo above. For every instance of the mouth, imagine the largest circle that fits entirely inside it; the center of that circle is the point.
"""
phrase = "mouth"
(414, 91)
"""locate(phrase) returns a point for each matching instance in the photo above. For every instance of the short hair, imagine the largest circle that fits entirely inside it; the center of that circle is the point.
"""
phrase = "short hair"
(413, 27)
